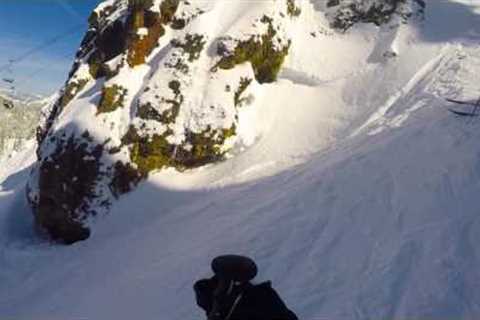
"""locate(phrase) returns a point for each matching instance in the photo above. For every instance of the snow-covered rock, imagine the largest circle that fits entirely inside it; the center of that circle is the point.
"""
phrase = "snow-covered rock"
(157, 85)
(343, 14)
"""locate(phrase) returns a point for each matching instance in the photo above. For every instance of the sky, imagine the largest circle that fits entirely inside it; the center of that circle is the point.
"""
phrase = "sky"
(26, 25)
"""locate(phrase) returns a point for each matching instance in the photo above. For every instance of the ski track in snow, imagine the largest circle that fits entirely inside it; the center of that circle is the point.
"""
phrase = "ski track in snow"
(359, 203)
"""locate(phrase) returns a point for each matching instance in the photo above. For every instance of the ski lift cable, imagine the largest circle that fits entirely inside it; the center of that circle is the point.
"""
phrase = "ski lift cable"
(39, 70)
(41, 47)
(70, 10)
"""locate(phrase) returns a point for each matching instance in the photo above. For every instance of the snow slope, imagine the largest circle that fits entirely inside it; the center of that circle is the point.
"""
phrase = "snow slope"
(358, 198)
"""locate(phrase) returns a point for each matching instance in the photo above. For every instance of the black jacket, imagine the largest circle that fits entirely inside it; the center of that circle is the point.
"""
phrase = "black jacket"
(252, 302)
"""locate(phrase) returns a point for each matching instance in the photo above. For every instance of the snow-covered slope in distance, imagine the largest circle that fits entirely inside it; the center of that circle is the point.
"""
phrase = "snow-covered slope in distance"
(19, 116)
(358, 200)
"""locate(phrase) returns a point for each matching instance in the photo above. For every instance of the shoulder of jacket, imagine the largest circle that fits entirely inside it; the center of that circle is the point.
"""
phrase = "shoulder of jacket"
(264, 285)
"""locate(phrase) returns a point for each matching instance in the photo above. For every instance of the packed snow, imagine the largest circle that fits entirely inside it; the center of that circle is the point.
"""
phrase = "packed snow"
(357, 195)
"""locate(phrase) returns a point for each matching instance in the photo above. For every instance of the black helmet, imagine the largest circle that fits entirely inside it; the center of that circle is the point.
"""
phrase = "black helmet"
(234, 267)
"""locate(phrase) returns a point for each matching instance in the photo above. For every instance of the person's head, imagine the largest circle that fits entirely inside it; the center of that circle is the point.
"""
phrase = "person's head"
(234, 267)
(232, 274)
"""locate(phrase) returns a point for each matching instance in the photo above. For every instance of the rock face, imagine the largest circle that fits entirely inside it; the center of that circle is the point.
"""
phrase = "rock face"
(156, 85)
(347, 13)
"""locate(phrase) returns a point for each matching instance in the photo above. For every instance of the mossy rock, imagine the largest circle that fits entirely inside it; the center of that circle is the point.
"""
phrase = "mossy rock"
(333, 3)
(109, 43)
(265, 58)
(67, 181)
(243, 86)
(178, 65)
(168, 8)
(202, 148)
(150, 153)
(148, 112)
(112, 98)
(378, 14)
(292, 9)
(179, 23)
(96, 18)
(120, 37)
(71, 90)
(141, 46)
(141, 4)
(124, 178)
(193, 46)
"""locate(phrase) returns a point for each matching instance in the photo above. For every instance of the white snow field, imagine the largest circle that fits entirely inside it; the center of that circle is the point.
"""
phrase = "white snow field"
(359, 199)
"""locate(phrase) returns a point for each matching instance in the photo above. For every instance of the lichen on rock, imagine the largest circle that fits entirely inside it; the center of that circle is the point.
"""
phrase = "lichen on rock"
(243, 86)
(192, 45)
(150, 153)
(113, 97)
(264, 52)
(293, 9)
(71, 90)
(125, 178)
(347, 12)
(148, 112)
(145, 28)
(67, 180)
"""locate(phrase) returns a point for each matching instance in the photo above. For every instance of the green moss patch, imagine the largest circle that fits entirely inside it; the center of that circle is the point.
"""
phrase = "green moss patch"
(378, 14)
(168, 8)
(192, 46)
(124, 178)
(102, 45)
(112, 98)
(141, 46)
(151, 153)
(244, 84)
(71, 90)
(265, 58)
(148, 153)
(148, 112)
(179, 65)
(292, 9)
(67, 181)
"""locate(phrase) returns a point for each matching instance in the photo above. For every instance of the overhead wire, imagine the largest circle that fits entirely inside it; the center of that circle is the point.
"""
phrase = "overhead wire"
(7, 67)
(41, 47)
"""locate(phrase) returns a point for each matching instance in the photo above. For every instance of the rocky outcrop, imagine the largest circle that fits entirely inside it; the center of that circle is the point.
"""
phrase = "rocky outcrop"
(346, 13)
(62, 208)
(133, 103)
(156, 85)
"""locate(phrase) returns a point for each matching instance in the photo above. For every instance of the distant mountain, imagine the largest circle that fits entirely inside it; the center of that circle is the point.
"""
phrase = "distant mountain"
(19, 118)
